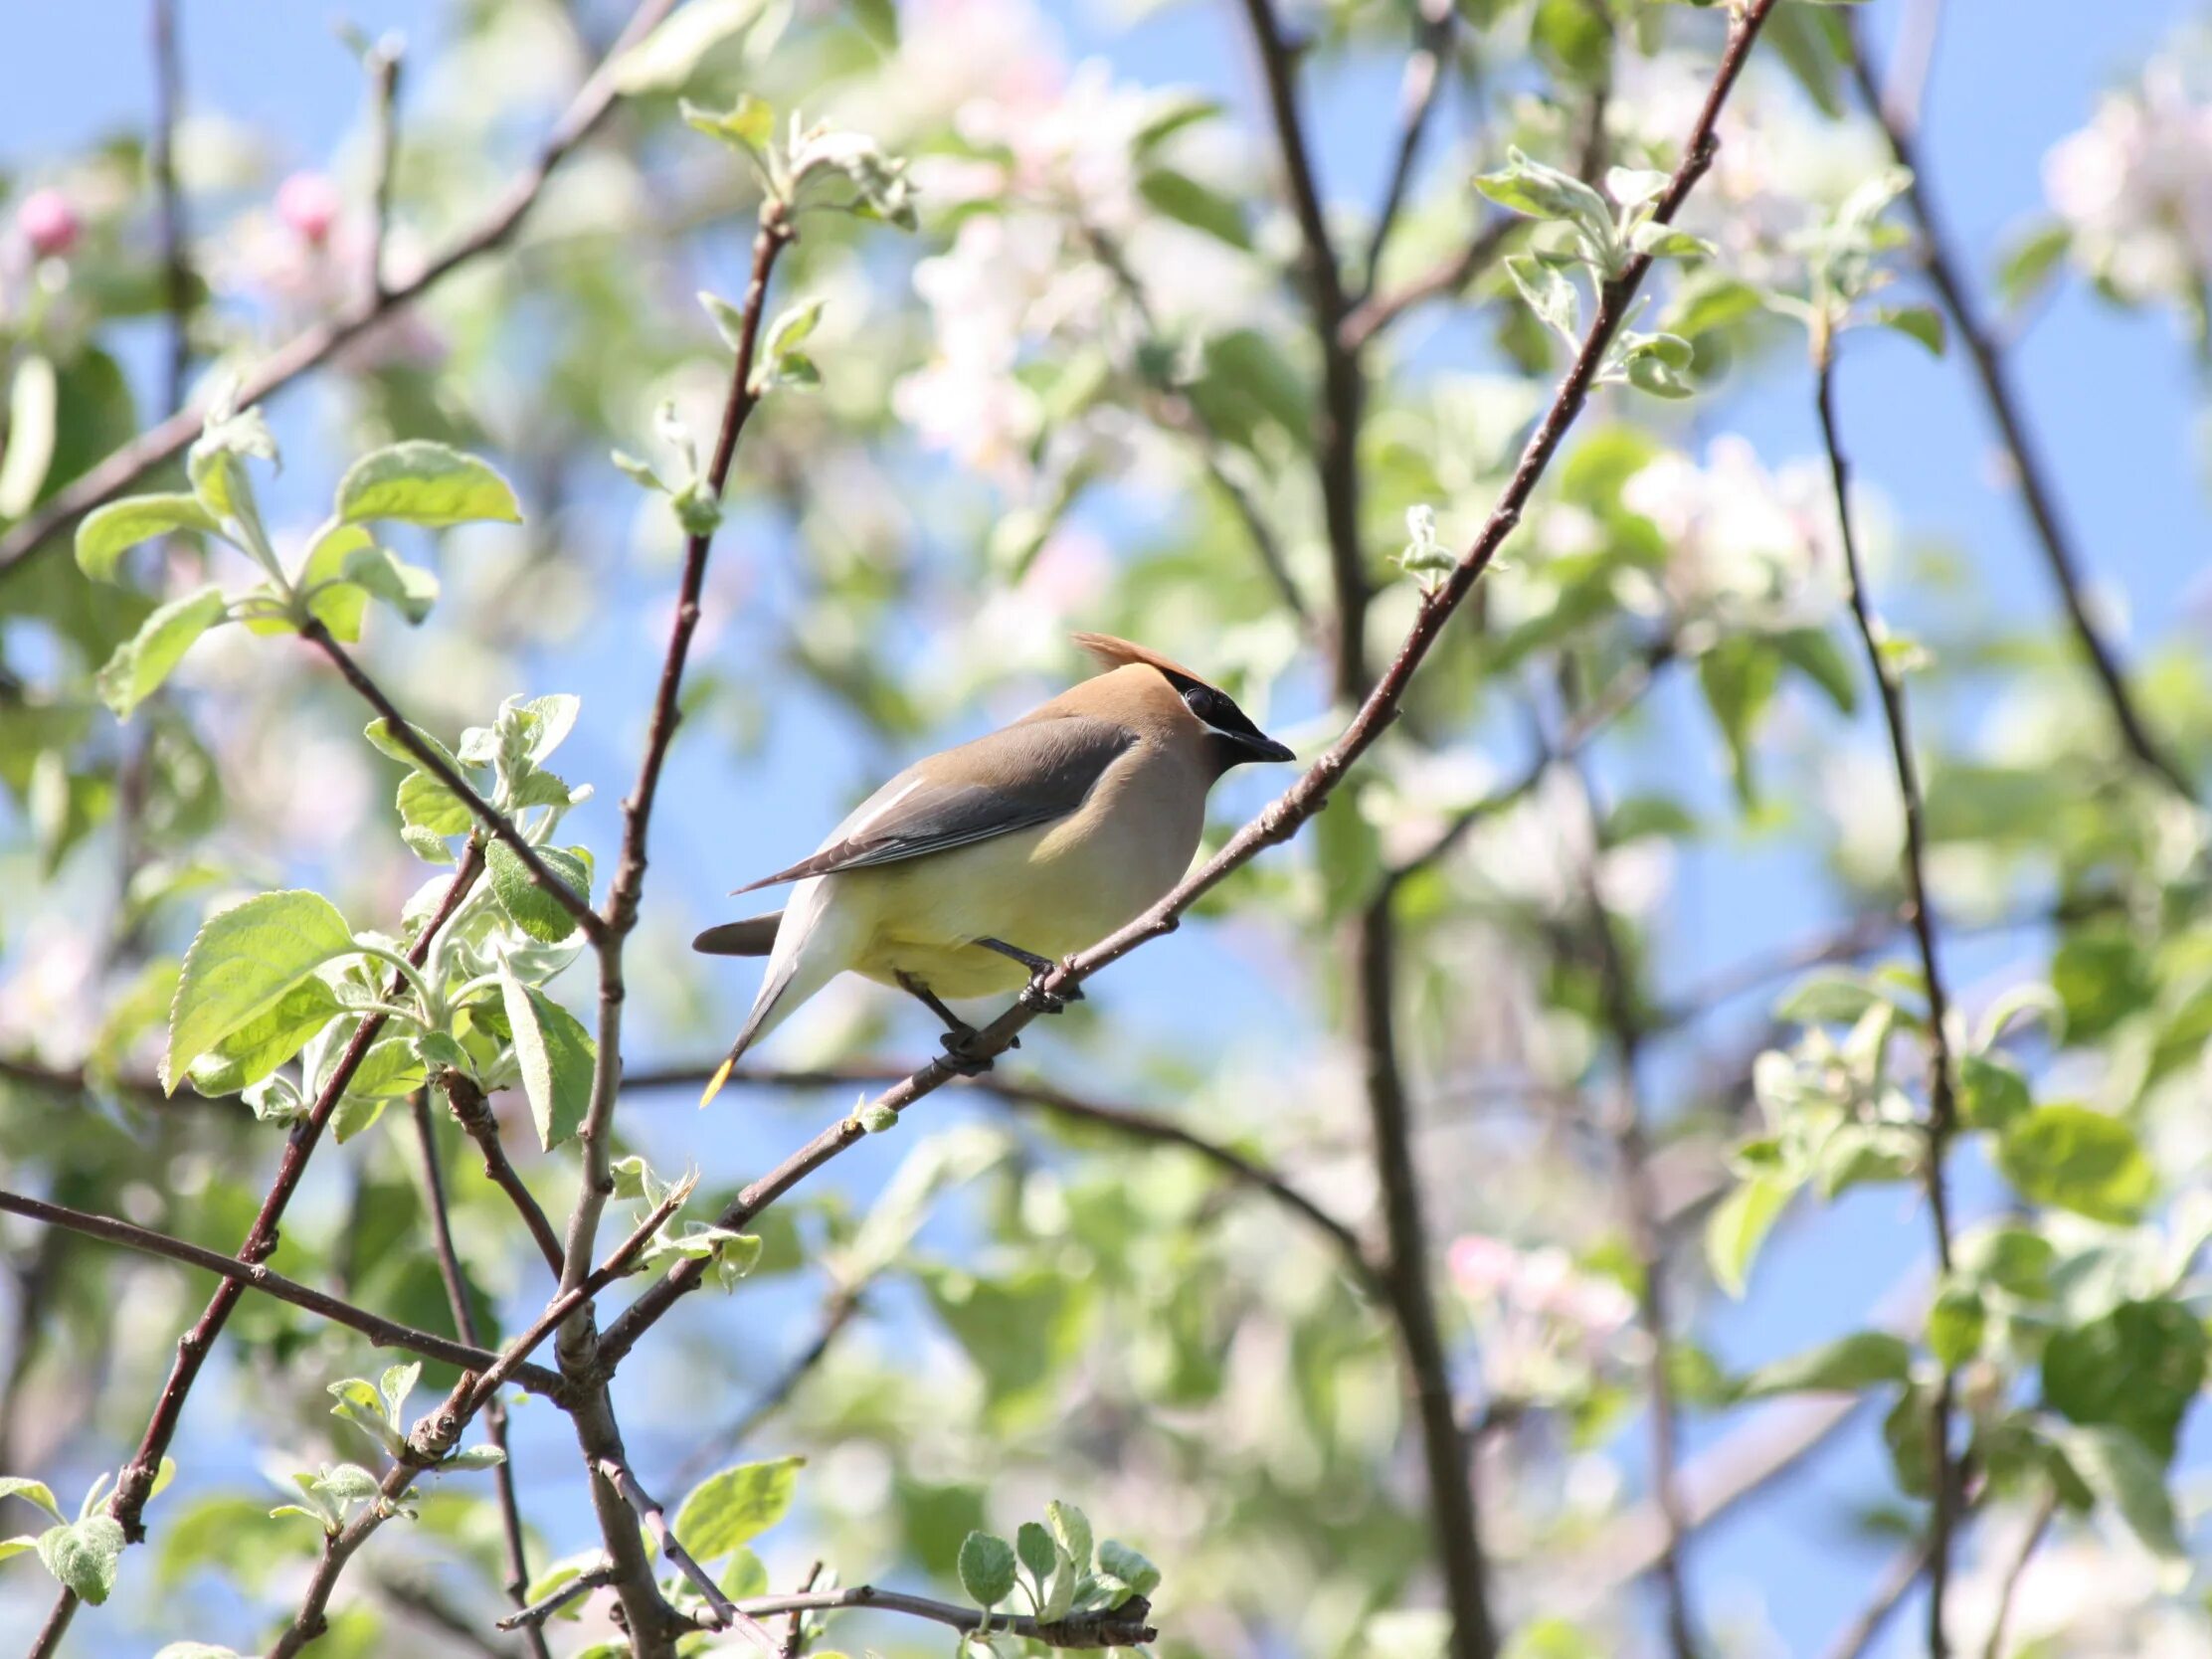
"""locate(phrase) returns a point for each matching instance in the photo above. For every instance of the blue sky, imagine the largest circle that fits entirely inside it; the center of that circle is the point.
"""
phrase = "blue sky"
(2114, 398)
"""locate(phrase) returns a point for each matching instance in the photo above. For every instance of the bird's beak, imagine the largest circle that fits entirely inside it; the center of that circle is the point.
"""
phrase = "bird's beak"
(1259, 748)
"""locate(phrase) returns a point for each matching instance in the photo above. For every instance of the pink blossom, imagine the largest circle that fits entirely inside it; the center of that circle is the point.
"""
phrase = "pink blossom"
(1482, 1267)
(308, 202)
(49, 223)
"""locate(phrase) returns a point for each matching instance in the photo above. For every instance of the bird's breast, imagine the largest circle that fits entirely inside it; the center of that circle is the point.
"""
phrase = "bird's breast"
(1050, 890)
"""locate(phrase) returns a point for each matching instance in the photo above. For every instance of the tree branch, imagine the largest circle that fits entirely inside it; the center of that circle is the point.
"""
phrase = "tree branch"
(1423, 81)
(1281, 820)
(474, 1113)
(176, 273)
(1895, 1584)
(1943, 1104)
(1640, 1203)
(384, 96)
(385, 1333)
(837, 1312)
(726, 1615)
(438, 765)
(1991, 371)
(2030, 1542)
(1129, 1625)
(534, 1616)
(1378, 311)
(465, 1321)
(312, 347)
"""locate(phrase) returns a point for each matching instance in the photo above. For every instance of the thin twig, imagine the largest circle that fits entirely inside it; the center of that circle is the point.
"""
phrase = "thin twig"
(384, 96)
(384, 1333)
(500, 825)
(1129, 1625)
(1281, 818)
(316, 345)
(1894, 1584)
(465, 1321)
(536, 1613)
(1343, 393)
(176, 272)
(837, 1312)
(1417, 88)
(475, 1115)
(2031, 1541)
(656, 1518)
(2028, 467)
(1941, 1105)
(795, 1638)
(1640, 1201)
(1450, 276)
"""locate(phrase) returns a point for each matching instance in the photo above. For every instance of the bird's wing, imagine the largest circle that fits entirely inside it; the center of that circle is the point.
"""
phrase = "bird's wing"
(1016, 778)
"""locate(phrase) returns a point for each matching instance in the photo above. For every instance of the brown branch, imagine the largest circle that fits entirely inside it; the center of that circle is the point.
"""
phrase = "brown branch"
(474, 1113)
(1343, 388)
(465, 1321)
(435, 1434)
(1417, 89)
(838, 1313)
(438, 765)
(1379, 310)
(653, 1625)
(2009, 1589)
(2028, 465)
(1283, 816)
(176, 272)
(726, 1613)
(795, 1638)
(536, 1613)
(384, 95)
(384, 1333)
(1647, 1237)
(1129, 1625)
(317, 345)
(1895, 1584)
(1943, 1105)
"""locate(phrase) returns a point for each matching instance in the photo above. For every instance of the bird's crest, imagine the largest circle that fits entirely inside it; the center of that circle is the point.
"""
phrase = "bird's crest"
(1110, 652)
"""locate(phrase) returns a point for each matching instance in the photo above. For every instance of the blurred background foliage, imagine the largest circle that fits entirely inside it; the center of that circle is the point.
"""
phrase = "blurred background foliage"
(1087, 393)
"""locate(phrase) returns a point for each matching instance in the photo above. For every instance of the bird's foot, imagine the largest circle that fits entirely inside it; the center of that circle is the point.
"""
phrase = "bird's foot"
(1034, 996)
(961, 1056)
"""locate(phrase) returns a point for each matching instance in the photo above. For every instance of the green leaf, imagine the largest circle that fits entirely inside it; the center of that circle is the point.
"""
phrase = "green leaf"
(242, 963)
(748, 124)
(1707, 301)
(1739, 1224)
(1923, 323)
(1848, 1366)
(264, 1042)
(108, 533)
(2028, 264)
(83, 1555)
(142, 663)
(1832, 999)
(1071, 1529)
(1957, 1322)
(2113, 1465)
(1807, 44)
(420, 483)
(17, 1544)
(1129, 1566)
(382, 574)
(671, 54)
(555, 1054)
(1542, 192)
(1814, 652)
(1908, 1430)
(476, 1457)
(985, 1569)
(2078, 1160)
(2137, 1368)
(746, 1576)
(735, 1506)
(36, 1491)
(1550, 295)
(1739, 677)
(1039, 1552)
(529, 906)
(1991, 1093)
(34, 401)
(1184, 199)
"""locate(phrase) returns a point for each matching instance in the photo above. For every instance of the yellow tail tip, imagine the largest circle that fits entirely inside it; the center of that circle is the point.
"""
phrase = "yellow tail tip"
(714, 1083)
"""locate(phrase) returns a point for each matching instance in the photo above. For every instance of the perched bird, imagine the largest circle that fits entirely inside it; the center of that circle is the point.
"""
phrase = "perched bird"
(974, 870)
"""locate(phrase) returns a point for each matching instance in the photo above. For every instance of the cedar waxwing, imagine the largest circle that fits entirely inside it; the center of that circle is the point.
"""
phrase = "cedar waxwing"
(976, 869)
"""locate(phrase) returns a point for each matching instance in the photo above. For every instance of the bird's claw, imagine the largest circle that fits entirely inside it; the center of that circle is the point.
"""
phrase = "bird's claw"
(960, 1056)
(1037, 1000)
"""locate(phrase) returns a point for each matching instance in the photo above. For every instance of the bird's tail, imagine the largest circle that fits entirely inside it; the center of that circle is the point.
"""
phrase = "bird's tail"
(812, 949)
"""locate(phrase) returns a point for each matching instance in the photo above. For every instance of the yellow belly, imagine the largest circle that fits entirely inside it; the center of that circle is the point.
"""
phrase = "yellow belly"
(1051, 891)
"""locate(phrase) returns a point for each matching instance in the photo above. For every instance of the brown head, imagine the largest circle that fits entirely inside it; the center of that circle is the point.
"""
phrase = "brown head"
(1169, 692)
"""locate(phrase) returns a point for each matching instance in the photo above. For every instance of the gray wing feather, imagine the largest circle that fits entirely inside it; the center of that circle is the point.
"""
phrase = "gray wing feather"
(915, 814)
